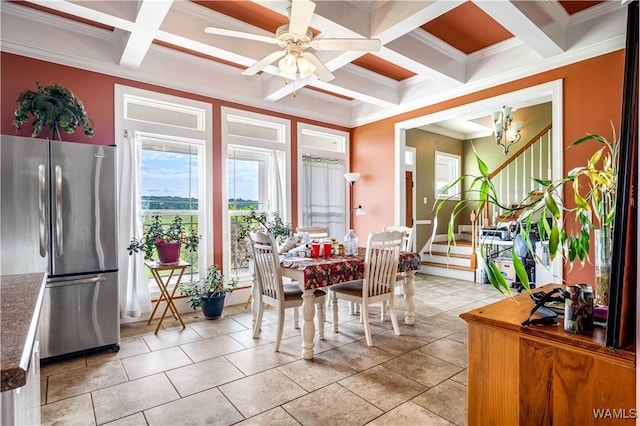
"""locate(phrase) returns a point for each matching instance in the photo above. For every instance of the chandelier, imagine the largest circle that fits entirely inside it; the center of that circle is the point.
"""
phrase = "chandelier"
(506, 134)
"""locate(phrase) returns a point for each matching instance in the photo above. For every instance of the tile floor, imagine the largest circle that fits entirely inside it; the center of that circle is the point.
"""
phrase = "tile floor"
(214, 373)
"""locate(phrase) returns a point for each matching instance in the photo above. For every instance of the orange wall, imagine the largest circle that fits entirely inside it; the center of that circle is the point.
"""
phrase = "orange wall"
(592, 97)
(97, 93)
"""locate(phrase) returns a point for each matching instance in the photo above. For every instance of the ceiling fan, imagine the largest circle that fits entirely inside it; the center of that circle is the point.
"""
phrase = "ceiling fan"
(294, 38)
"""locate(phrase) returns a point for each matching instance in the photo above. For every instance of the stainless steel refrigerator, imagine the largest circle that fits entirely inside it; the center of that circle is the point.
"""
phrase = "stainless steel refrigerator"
(58, 215)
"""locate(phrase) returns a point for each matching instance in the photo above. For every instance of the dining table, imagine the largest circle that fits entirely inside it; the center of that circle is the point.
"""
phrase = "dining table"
(319, 272)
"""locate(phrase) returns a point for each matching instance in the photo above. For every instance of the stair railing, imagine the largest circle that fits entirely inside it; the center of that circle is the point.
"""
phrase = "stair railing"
(512, 178)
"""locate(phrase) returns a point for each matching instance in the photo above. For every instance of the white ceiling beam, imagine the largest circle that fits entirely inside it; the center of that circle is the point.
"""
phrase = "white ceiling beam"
(546, 43)
(150, 15)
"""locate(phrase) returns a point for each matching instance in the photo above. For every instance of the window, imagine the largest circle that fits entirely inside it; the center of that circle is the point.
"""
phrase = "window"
(447, 169)
(322, 186)
(162, 171)
(257, 177)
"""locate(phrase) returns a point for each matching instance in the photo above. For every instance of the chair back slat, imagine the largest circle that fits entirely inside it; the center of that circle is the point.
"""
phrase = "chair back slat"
(409, 235)
(267, 265)
(381, 263)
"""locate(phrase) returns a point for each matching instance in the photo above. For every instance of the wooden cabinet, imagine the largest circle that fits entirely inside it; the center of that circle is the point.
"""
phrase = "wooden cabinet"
(541, 375)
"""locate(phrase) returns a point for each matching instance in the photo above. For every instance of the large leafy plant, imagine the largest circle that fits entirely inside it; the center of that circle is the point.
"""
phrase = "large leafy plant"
(55, 107)
(270, 223)
(158, 232)
(566, 227)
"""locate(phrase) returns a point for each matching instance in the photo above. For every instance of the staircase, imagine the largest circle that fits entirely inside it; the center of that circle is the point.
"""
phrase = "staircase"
(458, 263)
(513, 183)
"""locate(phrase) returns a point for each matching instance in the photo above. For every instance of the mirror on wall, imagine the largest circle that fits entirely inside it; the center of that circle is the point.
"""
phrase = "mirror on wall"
(469, 128)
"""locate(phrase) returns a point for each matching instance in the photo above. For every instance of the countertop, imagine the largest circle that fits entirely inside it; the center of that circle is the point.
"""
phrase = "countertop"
(21, 299)
(507, 315)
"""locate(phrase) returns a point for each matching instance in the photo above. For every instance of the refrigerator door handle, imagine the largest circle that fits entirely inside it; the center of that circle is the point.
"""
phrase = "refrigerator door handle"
(51, 284)
(58, 198)
(42, 211)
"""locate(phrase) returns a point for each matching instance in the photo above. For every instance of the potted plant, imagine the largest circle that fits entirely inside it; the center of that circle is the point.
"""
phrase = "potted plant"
(269, 223)
(167, 240)
(209, 292)
(55, 107)
(568, 229)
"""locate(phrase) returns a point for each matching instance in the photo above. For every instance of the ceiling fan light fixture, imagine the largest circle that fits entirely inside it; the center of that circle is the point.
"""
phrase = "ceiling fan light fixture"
(287, 66)
(305, 67)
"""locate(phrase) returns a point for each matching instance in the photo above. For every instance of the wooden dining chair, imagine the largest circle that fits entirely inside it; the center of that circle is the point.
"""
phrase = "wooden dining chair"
(271, 288)
(380, 268)
(407, 245)
(314, 231)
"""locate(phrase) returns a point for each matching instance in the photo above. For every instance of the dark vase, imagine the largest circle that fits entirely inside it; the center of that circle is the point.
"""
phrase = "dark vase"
(212, 305)
(169, 252)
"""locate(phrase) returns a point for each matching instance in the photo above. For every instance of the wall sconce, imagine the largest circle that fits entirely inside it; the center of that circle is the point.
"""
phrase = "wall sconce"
(506, 135)
(353, 178)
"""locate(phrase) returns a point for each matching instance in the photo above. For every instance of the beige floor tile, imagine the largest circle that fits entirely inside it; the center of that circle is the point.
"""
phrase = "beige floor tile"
(461, 377)
(447, 321)
(122, 400)
(169, 338)
(397, 345)
(358, 355)
(338, 406)
(316, 373)
(134, 329)
(206, 408)
(425, 331)
(77, 382)
(261, 392)
(77, 410)
(459, 336)
(154, 362)
(211, 348)
(203, 375)
(423, 368)
(209, 329)
(128, 347)
(277, 416)
(254, 360)
(448, 350)
(448, 400)
(410, 414)
(382, 387)
(64, 366)
(136, 419)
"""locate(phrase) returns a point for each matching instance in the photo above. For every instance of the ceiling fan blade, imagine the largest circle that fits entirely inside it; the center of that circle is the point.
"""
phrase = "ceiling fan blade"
(301, 13)
(264, 62)
(321, 71)
(362, 44)
(240, 34)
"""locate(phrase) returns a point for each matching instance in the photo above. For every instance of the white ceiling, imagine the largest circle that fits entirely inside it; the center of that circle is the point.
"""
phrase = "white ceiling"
(545, 37)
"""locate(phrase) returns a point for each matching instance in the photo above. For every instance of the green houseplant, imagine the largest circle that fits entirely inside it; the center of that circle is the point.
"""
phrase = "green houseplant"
(55, 107)
(209, 292)
(271, 223)
(159, 234)
(567, 228)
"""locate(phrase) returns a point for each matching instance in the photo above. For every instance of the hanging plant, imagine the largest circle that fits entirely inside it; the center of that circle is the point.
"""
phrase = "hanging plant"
(53, 107)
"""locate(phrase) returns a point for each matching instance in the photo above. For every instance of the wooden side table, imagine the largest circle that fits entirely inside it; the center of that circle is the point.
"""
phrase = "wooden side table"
(166, 293)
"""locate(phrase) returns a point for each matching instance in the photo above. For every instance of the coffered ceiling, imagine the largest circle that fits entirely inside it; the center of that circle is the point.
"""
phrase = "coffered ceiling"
(431, 50)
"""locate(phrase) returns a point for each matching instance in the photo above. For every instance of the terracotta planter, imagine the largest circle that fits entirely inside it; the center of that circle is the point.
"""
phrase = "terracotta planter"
(169, 252)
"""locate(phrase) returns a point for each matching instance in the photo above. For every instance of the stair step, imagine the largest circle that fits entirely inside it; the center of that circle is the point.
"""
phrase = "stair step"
(447, 266)
(444, 254)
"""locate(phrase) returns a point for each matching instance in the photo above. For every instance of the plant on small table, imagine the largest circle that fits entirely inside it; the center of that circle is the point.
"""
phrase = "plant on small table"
(158, 234)
(53, 106)
(209, 292)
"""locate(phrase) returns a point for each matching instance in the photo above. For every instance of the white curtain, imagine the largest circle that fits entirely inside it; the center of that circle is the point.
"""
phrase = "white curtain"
(323, 201)
(277, 158)
(134, 290)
